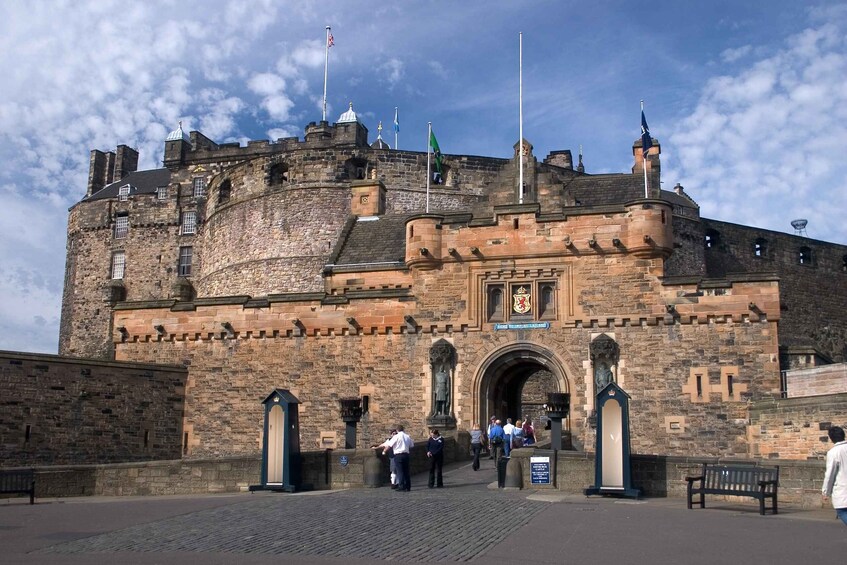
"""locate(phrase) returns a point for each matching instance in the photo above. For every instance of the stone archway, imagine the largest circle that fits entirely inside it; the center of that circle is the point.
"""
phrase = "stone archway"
(513, 382)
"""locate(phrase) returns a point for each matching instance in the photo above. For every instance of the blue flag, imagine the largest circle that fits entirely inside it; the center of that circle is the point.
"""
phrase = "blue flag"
(396, 122)
(646, 140)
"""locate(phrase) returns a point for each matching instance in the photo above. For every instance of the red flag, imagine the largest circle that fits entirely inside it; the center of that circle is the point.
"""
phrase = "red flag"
(329, 40)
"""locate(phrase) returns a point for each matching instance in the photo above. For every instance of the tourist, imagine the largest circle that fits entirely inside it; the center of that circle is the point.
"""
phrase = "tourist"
(496, 437)
(517, 435)
(528, 432)
(835, 478)
(508, 430)
(392, 463)
(435, 453)
(402, 445)
(476, 445)
(488, 434)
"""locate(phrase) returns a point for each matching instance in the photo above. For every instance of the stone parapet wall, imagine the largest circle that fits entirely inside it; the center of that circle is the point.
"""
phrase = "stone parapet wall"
(828, 379)
(664, 476)
(59, 410)
(795, 428)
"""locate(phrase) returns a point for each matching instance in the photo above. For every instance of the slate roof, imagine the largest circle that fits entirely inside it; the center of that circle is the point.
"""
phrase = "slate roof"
(375, 240)
(140, 182)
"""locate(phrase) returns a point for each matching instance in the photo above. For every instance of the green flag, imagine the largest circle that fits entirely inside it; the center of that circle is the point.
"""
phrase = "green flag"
(437, 152)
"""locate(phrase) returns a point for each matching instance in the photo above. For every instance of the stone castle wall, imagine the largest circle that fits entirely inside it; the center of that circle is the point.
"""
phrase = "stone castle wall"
(58, 410)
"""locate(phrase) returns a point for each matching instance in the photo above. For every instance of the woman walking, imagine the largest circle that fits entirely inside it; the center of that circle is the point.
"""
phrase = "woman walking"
(476, 445)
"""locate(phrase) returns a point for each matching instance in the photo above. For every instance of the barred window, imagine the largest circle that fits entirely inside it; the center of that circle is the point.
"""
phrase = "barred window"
(123, 193)
(162, 193)
(185, 254)
(121, 226)
(189, 223)
(199, 187)
(118, 264)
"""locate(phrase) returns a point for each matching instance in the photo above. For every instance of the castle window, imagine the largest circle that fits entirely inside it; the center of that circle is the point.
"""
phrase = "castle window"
(121, 226)
(118, 264)
(184, 267)
(547, 304)
(804, 256)
(760, 247)
(199, 184)
(123, 193)
(278, 174)
(844, 263)
(712, 238)
(494, 306)
(224, 191)
(189, 223)
(162, 193)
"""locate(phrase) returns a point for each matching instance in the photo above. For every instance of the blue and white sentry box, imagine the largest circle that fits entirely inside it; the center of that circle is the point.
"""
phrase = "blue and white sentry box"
(539, 470)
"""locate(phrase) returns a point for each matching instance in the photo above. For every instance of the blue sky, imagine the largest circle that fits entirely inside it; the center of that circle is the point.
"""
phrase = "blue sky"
(748, 99)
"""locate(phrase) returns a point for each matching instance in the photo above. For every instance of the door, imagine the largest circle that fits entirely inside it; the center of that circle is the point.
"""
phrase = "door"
(276, 443)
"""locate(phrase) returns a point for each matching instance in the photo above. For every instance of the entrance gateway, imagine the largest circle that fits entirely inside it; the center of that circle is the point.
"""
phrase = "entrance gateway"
(514, 382)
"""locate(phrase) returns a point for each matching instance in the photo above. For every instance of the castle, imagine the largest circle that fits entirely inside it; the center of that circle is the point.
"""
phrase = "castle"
(324, 266)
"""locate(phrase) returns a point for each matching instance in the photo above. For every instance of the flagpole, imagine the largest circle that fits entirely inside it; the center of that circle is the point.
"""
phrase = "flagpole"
(396, 130)
(428, 154)
(326, 67)
(644, 159)
(520, 116)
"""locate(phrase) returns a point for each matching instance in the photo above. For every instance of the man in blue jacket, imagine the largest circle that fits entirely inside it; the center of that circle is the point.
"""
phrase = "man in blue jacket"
(498, 438)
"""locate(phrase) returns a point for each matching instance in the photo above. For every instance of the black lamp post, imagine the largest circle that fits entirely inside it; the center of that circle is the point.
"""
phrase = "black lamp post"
(351, 413)
(557, 407)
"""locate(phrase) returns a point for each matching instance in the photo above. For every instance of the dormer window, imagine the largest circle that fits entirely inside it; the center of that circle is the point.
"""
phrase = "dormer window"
(123, 193)
(199, 184)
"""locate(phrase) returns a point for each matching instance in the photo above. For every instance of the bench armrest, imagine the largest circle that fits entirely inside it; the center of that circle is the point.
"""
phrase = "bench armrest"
(768, 482)
(692, 479)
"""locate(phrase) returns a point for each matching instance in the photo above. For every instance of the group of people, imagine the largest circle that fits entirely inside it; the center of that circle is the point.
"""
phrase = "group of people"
(501, 439)
(398, 448)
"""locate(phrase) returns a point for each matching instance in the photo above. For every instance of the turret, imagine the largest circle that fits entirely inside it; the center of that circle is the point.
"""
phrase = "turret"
(423, 241)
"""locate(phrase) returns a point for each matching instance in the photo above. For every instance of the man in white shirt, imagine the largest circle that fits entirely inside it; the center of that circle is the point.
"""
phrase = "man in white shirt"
(835, 479)
(402, 446)
(508, 429)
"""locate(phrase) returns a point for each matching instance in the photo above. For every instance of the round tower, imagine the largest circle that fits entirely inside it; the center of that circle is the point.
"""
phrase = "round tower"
(423, 241)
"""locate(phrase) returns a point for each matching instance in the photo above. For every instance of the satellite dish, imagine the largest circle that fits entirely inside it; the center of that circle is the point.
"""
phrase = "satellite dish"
(799, 226)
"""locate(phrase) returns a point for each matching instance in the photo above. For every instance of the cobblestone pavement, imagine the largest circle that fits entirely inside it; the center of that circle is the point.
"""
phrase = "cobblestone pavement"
(465, 521)
(456, 523)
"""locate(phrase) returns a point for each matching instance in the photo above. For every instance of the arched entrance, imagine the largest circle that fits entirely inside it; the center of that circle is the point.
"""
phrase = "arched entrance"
(515, 380)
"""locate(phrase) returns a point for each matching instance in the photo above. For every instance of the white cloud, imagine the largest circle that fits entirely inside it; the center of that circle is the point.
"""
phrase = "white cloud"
(731, 55)
(762, 146)
(392, 71)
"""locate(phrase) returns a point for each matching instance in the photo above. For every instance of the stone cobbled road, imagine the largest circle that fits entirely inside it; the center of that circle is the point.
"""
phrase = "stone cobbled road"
(457, 523)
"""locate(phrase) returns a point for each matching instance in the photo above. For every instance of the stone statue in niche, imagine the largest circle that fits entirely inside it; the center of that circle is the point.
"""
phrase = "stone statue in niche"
(442, 358)
(604, 356)
(602, 375)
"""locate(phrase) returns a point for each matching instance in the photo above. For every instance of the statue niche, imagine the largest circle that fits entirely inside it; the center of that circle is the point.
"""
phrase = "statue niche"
(604, 359)
(442, 361)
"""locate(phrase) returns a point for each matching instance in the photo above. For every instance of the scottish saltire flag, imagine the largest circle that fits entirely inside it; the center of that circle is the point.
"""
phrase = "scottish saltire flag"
(646, 140)
(396, 122)
(433, 143)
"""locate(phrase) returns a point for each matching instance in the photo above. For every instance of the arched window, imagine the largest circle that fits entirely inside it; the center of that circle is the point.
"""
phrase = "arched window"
(277, 174)
(804, 256)
(225, 191)
(713, 237)
(760, 247)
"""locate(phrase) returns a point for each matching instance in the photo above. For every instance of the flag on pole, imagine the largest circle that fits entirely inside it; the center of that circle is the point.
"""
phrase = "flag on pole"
(646, 140)
(396, 122)
(330, 41)
(436, 151)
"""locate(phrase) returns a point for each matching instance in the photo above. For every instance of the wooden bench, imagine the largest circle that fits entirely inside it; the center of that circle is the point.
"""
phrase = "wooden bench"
(21, 481)
(736, 480)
